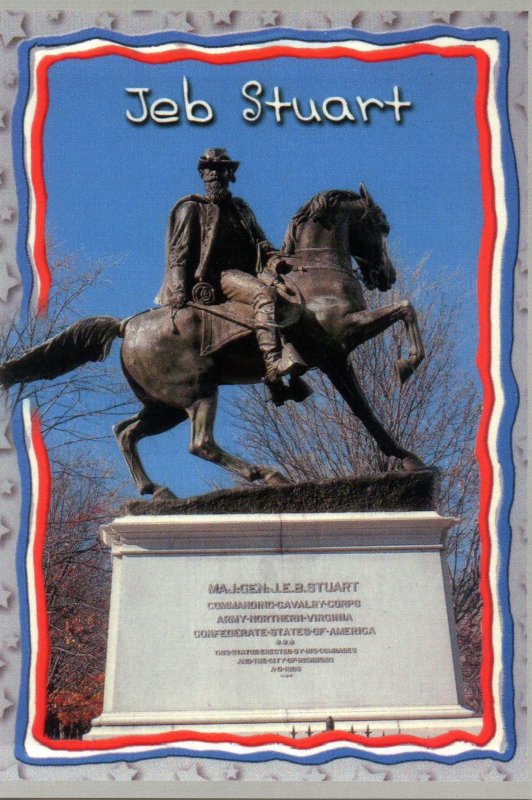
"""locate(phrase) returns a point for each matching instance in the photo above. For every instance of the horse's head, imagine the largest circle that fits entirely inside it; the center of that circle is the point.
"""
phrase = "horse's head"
(368, 232)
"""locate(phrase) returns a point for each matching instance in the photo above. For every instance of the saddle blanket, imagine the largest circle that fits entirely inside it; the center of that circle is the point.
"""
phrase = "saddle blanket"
(217, 331)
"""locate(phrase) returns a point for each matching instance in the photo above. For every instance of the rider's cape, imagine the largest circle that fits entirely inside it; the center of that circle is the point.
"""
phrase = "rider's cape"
(192, 228)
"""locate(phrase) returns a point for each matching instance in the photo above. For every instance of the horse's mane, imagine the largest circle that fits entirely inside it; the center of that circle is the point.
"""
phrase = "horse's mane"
(323, 207)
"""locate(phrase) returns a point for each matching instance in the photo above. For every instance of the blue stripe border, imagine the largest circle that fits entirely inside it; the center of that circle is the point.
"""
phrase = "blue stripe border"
(17, 429)
(504, 449)
(511, 394)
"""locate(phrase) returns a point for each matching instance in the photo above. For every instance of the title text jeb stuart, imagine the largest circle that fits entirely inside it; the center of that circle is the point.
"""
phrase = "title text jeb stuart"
(261, 104)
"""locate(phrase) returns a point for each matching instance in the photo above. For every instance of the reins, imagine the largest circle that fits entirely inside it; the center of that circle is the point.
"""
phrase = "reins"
(310, 266)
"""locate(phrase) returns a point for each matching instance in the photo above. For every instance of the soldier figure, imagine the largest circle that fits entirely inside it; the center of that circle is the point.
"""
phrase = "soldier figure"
(216, 239)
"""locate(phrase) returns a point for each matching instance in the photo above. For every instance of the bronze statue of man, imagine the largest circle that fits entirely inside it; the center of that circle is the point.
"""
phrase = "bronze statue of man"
(215, 238)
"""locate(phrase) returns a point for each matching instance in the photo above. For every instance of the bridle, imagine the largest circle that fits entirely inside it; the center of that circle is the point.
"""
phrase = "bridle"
(367, 280)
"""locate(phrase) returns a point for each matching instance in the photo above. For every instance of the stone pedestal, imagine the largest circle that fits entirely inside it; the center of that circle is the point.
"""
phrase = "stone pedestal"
(280, 622)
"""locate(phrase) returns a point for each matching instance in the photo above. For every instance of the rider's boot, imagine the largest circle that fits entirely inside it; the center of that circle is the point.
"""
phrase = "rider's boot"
(278, 363)
(298, 389)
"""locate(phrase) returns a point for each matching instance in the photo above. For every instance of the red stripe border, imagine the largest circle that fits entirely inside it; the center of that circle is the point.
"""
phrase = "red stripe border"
(487, 245)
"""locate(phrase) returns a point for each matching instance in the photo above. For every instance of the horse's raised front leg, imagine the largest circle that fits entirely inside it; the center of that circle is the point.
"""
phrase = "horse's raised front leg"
(342, 376)
(147, 422)
(367, 324)
(202, 415)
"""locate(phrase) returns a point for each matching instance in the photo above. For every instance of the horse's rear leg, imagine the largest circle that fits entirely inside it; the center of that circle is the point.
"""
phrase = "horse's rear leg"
(147, 422)
(202, 415)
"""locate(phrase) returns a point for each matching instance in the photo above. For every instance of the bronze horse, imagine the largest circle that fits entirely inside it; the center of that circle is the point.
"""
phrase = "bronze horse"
(161, 353)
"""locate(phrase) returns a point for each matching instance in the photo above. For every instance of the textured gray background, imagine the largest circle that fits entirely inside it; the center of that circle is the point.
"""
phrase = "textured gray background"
(485, 778)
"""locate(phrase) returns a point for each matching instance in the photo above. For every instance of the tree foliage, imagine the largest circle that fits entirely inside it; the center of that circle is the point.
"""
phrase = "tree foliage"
(77, 572)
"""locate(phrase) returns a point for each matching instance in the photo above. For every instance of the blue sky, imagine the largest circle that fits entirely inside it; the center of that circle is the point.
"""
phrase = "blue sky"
(112, 183)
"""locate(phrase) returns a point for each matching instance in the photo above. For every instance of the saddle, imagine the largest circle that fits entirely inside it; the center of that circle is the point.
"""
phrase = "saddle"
(224, 323)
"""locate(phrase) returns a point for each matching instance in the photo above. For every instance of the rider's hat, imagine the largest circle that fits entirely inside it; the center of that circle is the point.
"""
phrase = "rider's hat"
(217, 157)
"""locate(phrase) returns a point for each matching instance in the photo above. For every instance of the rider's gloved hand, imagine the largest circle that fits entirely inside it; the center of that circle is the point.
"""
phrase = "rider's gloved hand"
(269, 277)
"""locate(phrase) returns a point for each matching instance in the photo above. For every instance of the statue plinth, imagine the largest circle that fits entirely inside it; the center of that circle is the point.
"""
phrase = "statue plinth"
(276, 623)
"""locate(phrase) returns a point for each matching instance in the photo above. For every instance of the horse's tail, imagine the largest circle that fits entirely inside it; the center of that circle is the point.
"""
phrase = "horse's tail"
(89, 339)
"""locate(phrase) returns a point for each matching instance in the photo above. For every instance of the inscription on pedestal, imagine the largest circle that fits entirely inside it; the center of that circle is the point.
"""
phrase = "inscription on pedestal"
(365, 627)
(285, 626)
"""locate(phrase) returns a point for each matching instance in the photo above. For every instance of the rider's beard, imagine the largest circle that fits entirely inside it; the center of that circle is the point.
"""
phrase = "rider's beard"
(217, 191)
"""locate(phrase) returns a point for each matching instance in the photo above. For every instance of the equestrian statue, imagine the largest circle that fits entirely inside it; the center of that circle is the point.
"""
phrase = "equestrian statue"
(234, 310)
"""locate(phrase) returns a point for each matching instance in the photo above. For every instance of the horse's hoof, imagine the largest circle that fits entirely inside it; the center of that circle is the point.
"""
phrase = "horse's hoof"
(404, 370)
(162, 493)
(298, 389)
(278, 392)
(412, 464)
